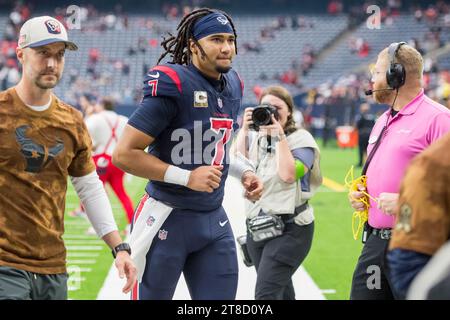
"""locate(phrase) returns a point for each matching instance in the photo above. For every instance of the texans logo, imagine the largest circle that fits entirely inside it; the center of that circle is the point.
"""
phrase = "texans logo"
(222, 20)
(53, 26)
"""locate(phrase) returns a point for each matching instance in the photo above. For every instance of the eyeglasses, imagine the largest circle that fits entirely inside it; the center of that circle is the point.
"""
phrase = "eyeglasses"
(373, 71)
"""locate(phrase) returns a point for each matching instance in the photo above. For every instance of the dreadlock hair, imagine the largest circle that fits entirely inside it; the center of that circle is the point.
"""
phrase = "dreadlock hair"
(178, 46)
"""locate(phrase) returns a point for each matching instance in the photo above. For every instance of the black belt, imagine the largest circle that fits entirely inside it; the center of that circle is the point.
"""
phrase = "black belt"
(384, 234)
(289, 218)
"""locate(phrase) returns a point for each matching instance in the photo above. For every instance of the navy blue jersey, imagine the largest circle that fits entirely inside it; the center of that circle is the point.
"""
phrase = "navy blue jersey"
(192, 119)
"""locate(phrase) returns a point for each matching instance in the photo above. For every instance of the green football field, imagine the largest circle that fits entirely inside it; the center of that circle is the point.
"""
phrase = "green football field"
(330, 262)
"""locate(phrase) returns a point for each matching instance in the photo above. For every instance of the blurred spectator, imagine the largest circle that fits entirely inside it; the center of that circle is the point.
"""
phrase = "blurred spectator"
(94, 55)
(142, 45)
(334, 7)
(289, 77)
(431, 14)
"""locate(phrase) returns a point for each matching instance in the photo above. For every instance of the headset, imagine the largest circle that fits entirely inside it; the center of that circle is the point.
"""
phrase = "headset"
(395, 74)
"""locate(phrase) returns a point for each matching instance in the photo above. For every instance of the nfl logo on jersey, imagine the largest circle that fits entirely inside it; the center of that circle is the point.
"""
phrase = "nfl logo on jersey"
(200, 99)
(162, 235)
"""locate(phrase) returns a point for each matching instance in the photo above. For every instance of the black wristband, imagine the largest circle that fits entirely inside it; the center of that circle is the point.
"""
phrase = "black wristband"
(121, 247)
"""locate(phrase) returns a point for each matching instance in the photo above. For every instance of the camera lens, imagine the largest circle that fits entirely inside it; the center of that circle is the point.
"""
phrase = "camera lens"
(261, 116)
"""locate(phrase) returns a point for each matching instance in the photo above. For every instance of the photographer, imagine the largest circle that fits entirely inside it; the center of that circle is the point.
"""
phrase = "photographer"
(280, 225)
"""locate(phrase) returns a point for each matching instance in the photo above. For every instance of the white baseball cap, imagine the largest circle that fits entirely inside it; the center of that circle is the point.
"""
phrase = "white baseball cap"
(43, 30)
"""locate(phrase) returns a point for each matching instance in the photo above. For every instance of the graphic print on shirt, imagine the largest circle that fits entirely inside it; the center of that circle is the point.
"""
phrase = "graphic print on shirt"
(36, 155)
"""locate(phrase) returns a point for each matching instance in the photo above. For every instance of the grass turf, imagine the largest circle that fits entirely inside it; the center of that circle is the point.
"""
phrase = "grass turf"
(334, 253)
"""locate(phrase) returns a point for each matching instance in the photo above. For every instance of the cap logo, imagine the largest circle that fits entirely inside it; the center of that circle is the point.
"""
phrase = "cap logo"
(53, 26)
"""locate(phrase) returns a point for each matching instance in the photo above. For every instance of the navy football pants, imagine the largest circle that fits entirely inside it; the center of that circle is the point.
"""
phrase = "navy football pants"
(202, 246)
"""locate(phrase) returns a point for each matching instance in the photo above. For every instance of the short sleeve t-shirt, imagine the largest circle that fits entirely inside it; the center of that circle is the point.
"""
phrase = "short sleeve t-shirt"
(39, 150)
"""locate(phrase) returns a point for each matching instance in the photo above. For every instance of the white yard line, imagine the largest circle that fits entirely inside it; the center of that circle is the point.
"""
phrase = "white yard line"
(305, 287)
(82, 255)
(84, 248)
(81, 261)
(84, 242)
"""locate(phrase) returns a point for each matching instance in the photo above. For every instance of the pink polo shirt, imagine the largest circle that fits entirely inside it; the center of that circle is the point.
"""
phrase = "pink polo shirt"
(408, 133)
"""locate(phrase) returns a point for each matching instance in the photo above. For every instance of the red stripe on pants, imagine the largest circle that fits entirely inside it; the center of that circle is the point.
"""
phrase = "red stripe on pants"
(141, 205)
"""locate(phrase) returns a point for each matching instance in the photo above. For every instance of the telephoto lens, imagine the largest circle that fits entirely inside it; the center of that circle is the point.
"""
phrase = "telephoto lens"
(262, 116)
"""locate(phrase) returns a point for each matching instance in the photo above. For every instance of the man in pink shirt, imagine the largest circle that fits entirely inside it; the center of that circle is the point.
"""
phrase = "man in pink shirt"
(412, 123)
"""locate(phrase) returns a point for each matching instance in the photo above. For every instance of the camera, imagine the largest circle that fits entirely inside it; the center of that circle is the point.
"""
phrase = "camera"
(264, 227)
(262, 116)
(242, 241)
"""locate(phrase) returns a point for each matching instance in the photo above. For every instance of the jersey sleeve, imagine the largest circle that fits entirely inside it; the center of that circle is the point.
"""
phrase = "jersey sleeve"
(305, 155)
(163, 81)
(153, 115)
(162, 86)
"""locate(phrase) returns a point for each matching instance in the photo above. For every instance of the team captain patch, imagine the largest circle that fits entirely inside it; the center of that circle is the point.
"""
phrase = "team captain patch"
(200, 99)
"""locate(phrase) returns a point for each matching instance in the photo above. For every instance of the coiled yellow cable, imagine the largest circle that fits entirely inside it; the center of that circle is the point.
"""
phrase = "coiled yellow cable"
(359, 217)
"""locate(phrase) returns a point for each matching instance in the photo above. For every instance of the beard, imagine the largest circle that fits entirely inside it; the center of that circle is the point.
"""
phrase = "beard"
(40, 83)
(385, 96)
(221, 69)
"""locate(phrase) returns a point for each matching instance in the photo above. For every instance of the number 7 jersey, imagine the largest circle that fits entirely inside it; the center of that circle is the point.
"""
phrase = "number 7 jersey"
(192, 119)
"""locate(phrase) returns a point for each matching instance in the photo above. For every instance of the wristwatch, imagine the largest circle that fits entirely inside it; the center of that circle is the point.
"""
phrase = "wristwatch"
(121, 247)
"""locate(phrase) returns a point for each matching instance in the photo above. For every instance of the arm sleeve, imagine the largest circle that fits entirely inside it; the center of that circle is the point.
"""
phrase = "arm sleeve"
(305, 155)
(404, 265)
(240, 164)
(153, 115)
(92, 194)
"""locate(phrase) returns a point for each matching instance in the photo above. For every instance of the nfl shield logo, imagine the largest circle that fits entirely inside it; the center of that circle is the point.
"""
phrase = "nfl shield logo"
(150, 221)
(162, 234)
(219, 102)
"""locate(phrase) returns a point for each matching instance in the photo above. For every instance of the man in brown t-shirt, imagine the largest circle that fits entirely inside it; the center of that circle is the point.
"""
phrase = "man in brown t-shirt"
(423, 217)
(43, 141)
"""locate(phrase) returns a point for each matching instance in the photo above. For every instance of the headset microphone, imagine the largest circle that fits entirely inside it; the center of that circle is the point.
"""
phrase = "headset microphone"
(396, 73)
(370, 92)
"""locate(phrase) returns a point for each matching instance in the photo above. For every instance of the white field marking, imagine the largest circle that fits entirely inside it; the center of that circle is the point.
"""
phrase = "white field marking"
(81, 261)
(80, 279)
(78, 226)
(77, 222)
(82, 255)
(79, 236)
(85, 248)
(305, 287)
(328, 291)
(84, 242)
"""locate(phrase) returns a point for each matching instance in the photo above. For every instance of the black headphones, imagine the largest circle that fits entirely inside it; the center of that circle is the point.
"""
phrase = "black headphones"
(396, 74)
